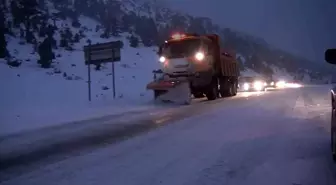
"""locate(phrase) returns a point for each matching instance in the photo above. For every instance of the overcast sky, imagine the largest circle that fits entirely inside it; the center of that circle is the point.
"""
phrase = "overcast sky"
(305, 27)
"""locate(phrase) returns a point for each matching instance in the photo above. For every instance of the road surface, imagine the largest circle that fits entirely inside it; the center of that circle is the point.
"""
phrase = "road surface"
(278, 138)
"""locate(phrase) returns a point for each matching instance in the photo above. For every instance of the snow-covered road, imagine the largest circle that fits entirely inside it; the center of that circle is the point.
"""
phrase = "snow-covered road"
(278, 138)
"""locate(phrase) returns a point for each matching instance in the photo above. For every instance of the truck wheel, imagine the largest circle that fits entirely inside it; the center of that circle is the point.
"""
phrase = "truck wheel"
(235, 89)
(198, 95)
(231, 90)
(223, 88)
(212, 92)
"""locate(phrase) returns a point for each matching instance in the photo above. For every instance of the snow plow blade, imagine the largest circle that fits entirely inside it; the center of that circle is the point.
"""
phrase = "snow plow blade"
(174, 91)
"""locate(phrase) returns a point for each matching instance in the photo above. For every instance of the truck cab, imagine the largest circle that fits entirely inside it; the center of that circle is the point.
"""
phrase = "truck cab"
(199, 60)
(186, 55)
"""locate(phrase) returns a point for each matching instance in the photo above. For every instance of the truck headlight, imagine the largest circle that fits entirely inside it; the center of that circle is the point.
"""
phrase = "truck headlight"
(162, 59)
(199, 56)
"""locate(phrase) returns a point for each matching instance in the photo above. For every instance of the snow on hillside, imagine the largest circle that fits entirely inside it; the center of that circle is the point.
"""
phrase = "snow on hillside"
(281, 74)
(33, 97)
(249, 72)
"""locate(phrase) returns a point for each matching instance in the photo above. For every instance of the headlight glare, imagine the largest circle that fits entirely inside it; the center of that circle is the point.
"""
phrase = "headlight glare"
(162, 59)
(199, 56)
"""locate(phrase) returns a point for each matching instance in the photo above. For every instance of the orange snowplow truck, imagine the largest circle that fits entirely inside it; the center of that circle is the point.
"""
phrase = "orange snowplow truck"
(198, 59)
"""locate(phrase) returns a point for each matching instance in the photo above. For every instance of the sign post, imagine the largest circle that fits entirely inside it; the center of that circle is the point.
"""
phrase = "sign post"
(102, 53)
(89, 72)
(89, 82)
(113, 80)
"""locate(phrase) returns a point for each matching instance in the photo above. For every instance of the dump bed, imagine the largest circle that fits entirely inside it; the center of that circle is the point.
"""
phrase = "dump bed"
(228, 66)
(228, 63)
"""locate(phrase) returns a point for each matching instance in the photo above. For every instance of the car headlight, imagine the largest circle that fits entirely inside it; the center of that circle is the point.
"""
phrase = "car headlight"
(258, 85)
(199, 56)
(162, 59)
(246, 86)
(281, 83)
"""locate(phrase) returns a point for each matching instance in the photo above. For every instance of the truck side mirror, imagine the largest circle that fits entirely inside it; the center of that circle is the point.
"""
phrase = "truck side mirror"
(330, 56)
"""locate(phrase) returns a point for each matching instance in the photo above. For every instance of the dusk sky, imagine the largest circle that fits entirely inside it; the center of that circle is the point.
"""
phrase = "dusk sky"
(305, 27)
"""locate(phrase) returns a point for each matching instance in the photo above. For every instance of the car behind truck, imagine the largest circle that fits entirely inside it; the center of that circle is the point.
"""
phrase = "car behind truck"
(249, 83)
(198, 63)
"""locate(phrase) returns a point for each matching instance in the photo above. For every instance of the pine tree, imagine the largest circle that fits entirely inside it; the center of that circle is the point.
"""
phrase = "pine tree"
(178, 23)
(8, 28)
(23, 12)
(42, 30)
(76, 38)
(28, 9)
(115, 27)
(97, 28)
(29, 36)
(147, 30)
(45, 52)
(196, 26)
(126, 23)
(22, 34)
(64, 42)
(17, 15)
(75, 23)
(134, 41)
(3, 44)
(107, 28)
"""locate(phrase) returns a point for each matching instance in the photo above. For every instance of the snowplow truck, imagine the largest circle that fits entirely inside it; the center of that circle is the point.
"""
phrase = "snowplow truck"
(198, 63)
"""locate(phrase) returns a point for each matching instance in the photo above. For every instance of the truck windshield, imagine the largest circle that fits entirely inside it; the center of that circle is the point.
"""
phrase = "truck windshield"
(184, 48)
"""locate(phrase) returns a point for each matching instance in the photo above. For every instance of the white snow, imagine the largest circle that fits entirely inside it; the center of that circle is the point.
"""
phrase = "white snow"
(281, 74)
(249, 72)
(258, 140)
(33, 98)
